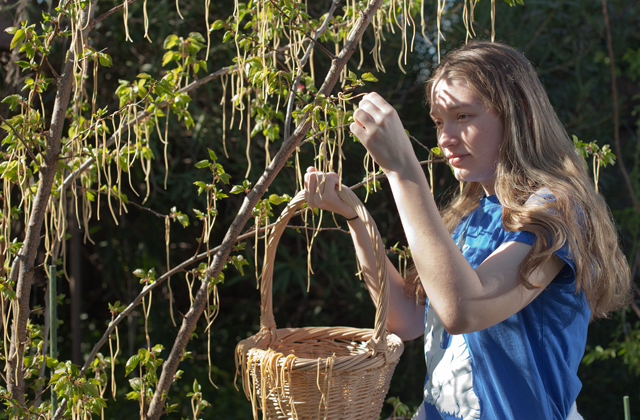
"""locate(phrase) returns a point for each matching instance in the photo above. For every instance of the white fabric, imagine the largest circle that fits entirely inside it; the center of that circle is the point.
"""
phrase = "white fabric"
(573, 414)
(420, 414)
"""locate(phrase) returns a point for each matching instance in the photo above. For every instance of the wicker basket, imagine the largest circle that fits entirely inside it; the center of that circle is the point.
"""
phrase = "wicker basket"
(319, 372)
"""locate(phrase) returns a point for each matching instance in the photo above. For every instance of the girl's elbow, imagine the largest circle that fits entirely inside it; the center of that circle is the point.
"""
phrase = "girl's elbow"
(409, 335)
(456, 328)
(457, 321)
(406, 331)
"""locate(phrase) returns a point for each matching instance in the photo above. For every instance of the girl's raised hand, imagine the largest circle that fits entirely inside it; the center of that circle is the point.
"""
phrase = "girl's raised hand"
(320, 192)
(378, 127)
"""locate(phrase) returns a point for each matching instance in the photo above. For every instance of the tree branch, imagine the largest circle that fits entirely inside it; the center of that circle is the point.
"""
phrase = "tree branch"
(140, 116)
(222, 251)
(183, 267)
(189, 321)
(145, 114)
(29, 152)
(616, 112)
(301, 64)
(105, 15)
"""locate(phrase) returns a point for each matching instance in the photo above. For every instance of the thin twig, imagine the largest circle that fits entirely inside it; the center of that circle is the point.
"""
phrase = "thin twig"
(19, 137)
(55, 74)
(133, 203)
(383, 175)
(616, 112)
(313, 39)
(338, 229)
(301, 64)
(420, 143)
(108, 13)
(189, 322)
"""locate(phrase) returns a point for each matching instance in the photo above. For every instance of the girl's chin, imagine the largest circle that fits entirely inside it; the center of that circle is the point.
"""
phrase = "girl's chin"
(465, 176)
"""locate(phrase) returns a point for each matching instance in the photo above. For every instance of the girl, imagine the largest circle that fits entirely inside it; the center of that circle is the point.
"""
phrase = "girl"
(510, 273)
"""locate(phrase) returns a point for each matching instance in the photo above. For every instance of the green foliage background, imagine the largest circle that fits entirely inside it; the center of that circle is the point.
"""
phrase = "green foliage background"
(564, 39)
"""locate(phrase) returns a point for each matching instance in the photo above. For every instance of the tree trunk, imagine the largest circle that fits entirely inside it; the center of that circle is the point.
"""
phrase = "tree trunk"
(15, 364)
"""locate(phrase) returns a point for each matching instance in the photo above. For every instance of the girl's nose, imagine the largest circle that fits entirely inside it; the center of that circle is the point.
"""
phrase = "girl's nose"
(447, 137)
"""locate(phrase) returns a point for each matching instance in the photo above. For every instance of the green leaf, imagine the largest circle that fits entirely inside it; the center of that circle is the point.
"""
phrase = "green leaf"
(201, 186)
(197, 36)
(202, 164)
(275, 199)
(212, 155)
(237, 189)
(17, 38)
(91, 389)
(143, 76)
(369, 77)
(132, 363)
(135, 384)
(23, 64)
(170, 41)
(11, 30)
(183, 219)
(51, 362)
(105, 60)
(224, 177)
(218, 24)
(139, 272)
(167, 58)
(133, 395)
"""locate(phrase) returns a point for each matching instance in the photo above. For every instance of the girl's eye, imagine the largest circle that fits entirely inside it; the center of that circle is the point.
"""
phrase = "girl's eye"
(463, 116)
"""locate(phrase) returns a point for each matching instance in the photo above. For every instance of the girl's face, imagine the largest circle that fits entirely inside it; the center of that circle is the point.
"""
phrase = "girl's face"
(469, 133)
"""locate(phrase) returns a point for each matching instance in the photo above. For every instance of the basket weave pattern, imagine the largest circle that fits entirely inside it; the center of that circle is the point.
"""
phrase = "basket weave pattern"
(319, 372)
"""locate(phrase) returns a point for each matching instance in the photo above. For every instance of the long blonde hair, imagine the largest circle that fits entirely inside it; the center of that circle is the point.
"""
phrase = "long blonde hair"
(537, 153)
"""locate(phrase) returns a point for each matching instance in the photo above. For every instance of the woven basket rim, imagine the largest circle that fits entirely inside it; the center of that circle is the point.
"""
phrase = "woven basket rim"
(395, 347)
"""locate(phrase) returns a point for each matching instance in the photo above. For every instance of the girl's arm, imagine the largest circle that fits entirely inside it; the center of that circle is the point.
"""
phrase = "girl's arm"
(406, 317)
(465, 300)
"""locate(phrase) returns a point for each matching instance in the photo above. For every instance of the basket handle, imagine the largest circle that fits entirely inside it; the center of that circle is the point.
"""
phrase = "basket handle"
(378, 342)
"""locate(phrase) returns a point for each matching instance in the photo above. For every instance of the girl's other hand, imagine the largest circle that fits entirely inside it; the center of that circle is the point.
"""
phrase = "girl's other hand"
(321, 192)
(378, 126)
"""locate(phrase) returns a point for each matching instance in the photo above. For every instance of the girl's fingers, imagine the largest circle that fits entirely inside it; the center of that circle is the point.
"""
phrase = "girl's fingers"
(378, 101)
(371, 110)
(357, 129)
(363, 118)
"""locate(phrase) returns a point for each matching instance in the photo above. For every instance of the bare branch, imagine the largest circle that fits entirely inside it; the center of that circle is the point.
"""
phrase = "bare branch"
(31, 155)
(301, 64)
(182, 267)
(105, 15)
(616, 112)
(189, 321)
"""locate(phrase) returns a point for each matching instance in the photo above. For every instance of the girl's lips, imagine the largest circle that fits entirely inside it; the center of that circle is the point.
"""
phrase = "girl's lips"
(456, 159)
